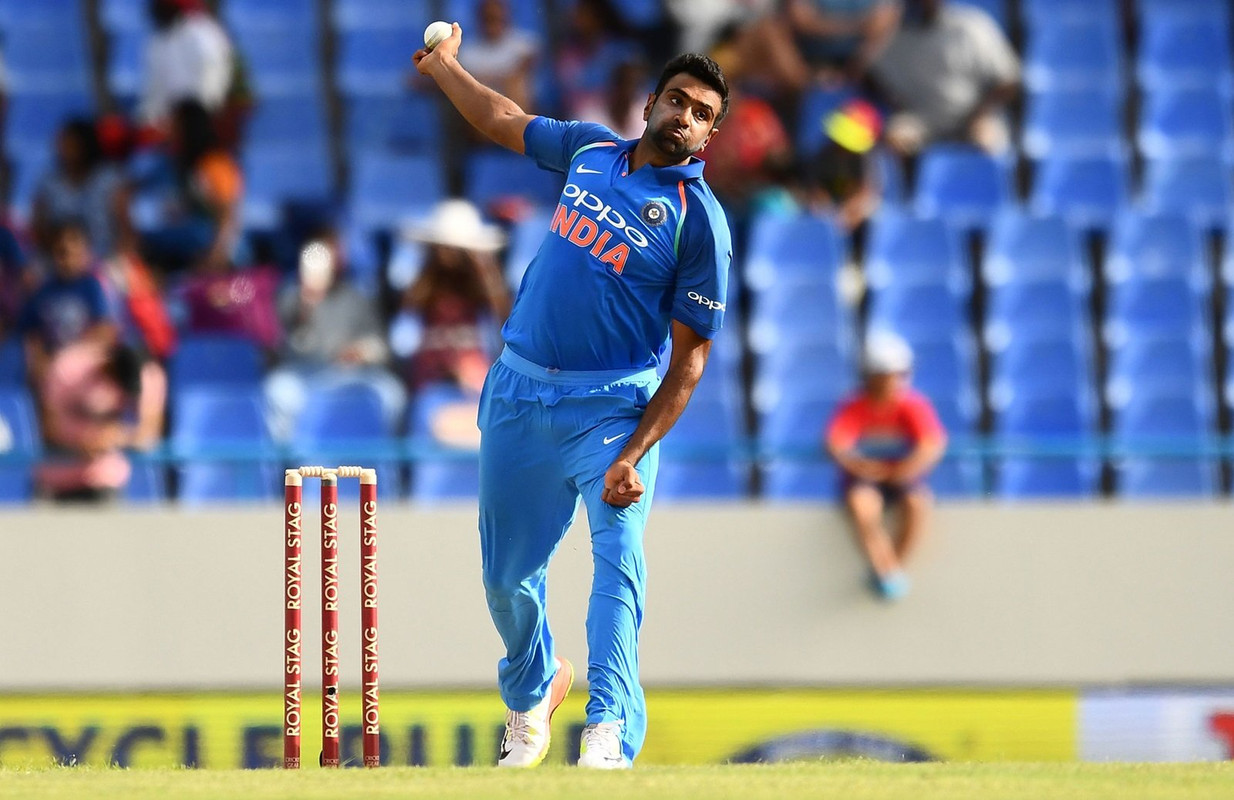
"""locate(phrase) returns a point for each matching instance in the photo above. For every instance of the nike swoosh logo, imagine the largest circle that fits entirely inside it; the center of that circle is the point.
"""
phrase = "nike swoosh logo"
(581, 170)
(611, 439)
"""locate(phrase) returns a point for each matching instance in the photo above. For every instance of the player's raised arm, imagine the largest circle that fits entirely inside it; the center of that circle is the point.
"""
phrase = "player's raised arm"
(493, 114)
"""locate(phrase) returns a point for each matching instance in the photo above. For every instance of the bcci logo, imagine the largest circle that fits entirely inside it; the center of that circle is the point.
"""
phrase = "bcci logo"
(654, 214)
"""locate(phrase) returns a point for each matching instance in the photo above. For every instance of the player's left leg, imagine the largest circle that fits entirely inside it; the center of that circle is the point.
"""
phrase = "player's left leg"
(915, 506)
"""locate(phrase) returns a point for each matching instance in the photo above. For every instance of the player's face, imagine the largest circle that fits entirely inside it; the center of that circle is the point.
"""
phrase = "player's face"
(681, 120)
(885, 385)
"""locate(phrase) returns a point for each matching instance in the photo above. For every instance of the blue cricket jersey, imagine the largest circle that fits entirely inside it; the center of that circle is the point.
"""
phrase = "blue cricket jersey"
(624, 255)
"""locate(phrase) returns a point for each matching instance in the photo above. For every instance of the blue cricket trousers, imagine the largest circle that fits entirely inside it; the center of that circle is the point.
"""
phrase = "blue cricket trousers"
(547, 438)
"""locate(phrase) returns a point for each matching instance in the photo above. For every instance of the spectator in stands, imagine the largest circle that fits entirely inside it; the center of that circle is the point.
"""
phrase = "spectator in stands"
(189, 57)
(886, 439)
(448, 324)
(844, 35)
(82, 185)
(333, 336)
(948, 73)
(502, 56)
(595, 43)
(761, 37)
(69, 307)
(15, 278)
(620, 109)
(841, 176)
(197, 190)
(96, 399)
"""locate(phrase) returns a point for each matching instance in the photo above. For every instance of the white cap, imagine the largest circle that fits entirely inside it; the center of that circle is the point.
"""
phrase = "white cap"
(457, 223)
(886, 353)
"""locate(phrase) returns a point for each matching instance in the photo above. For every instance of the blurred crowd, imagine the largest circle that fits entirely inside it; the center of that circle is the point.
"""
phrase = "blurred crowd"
(135, 235)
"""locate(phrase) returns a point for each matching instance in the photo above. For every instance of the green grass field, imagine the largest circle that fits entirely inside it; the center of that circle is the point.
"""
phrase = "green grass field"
(861, 780)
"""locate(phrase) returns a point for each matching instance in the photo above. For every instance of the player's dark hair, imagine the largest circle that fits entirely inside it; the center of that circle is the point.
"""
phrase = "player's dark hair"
(703, 68)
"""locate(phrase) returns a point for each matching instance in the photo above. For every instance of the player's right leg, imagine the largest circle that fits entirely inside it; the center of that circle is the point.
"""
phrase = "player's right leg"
(526, 507)
(865, 505)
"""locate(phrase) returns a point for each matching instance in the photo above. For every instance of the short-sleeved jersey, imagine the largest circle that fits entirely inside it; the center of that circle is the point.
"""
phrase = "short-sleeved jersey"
(61, 311)
(885, 431)
(625, 254)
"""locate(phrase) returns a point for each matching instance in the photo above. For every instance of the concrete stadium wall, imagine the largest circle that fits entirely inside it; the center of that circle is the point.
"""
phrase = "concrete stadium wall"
(738, 594)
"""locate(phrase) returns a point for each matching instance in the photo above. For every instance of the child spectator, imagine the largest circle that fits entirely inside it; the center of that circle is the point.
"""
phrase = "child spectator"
(886, 439)
(96, 400)
(69, 307)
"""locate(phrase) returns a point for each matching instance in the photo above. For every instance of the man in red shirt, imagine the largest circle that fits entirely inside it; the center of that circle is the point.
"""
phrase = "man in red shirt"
(886, 439)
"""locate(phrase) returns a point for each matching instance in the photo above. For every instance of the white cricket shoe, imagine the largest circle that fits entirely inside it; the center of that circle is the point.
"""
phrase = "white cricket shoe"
(601, 747)
(528, 732)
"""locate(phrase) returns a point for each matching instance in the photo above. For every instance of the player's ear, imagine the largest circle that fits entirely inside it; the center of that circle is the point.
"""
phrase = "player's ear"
(651, 101)
(710, 135)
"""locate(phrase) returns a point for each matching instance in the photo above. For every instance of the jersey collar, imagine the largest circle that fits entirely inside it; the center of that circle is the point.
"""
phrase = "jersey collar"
(688, 171)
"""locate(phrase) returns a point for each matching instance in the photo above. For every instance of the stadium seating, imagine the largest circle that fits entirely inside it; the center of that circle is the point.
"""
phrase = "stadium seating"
(376, 61)
(1153, 13)
(962, 185)
(493, 175)
(289, 121)
(19, 440)
(386, 189)
(1087, 192)
(270, 15)
(1041, 367)
(123, 15)
(798, 312)
(12, 363)
(1186, 123)
(1076, 124)
(1159, 424)
(147, 481)
(918, 313)
(407, 122)
(699, 458)
(351, 15)
(523, 244)
(1150, 246)
(1070, 13)
(530, 15)
(215, 361)
(1197, 188)
(1040, 416)
(997, 9)
(782, 248)
(276, 176)
(212, 425)
(282, 61)
(1027, 311)
(1178, 54)
(1032, 249)
(345, 425)
(440, 473)
(1078, 57)
(906, 250)
(1160, 364)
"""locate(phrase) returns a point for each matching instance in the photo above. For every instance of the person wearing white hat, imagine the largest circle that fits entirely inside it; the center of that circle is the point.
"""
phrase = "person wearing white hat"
(886, 439)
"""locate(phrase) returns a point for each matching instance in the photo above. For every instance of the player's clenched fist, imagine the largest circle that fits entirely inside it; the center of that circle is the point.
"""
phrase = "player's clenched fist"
(622, 485)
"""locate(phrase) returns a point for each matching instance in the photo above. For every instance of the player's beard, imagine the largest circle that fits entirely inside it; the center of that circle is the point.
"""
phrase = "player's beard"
(677, 147)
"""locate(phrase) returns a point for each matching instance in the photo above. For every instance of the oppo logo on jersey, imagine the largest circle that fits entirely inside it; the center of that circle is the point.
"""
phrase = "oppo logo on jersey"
(583, 231)
(604, 212)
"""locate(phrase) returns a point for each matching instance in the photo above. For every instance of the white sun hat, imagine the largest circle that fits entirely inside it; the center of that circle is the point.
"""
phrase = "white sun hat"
(457, 223)
(885, 353)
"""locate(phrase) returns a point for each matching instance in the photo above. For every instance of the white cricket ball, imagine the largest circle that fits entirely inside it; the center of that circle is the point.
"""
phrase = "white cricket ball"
(436, 33)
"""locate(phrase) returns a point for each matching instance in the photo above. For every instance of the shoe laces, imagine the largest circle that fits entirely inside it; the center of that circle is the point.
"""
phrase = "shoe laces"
(604, 737)
(519, 728)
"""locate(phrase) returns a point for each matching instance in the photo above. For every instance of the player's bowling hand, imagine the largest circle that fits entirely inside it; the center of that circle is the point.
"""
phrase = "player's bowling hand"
(426, 60)
(622, 485)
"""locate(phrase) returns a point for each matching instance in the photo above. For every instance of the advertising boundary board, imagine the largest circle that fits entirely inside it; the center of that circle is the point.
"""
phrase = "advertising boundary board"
(230, 730)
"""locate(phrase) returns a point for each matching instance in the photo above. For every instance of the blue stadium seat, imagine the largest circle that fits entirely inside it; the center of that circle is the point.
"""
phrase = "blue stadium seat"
(282, 61)
(1087, 192)
(790, 437)
(1023, 248)
(783, 246)
(1076, 13)
(1040, 368)
(1164, 422)
(1153, 13)
(1166, 307)
(1178, 413)
(1047, 416)
(123, 15)
(1163, 478)
(698, 457)
(957, 477)
(275, 176)
(385, 189)
(270, 15)
(410, 15)
(1146, 246)
(289, 121)
(1073, 125)
(147, 481)
(345, 425)
(491, 175)
(1040, 412)
(1041, 310)
(376, 61)
(946, 368)
(12, 363)
(17, 18)
(531, 16)
(1157, 365)
(126, 62)
(918, 313)
(807, 479)
(798, 311)
(962, 185)
(449, 473)
(212, 425)
(997, 9)
(406, 122)
(19, 439)
(906, 250)
(526, 236)
(1068, 58)
(1053, 477)
(1185, 123)
(215, 361)
(1196, 188)
(1184, 54)
(800, 371)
